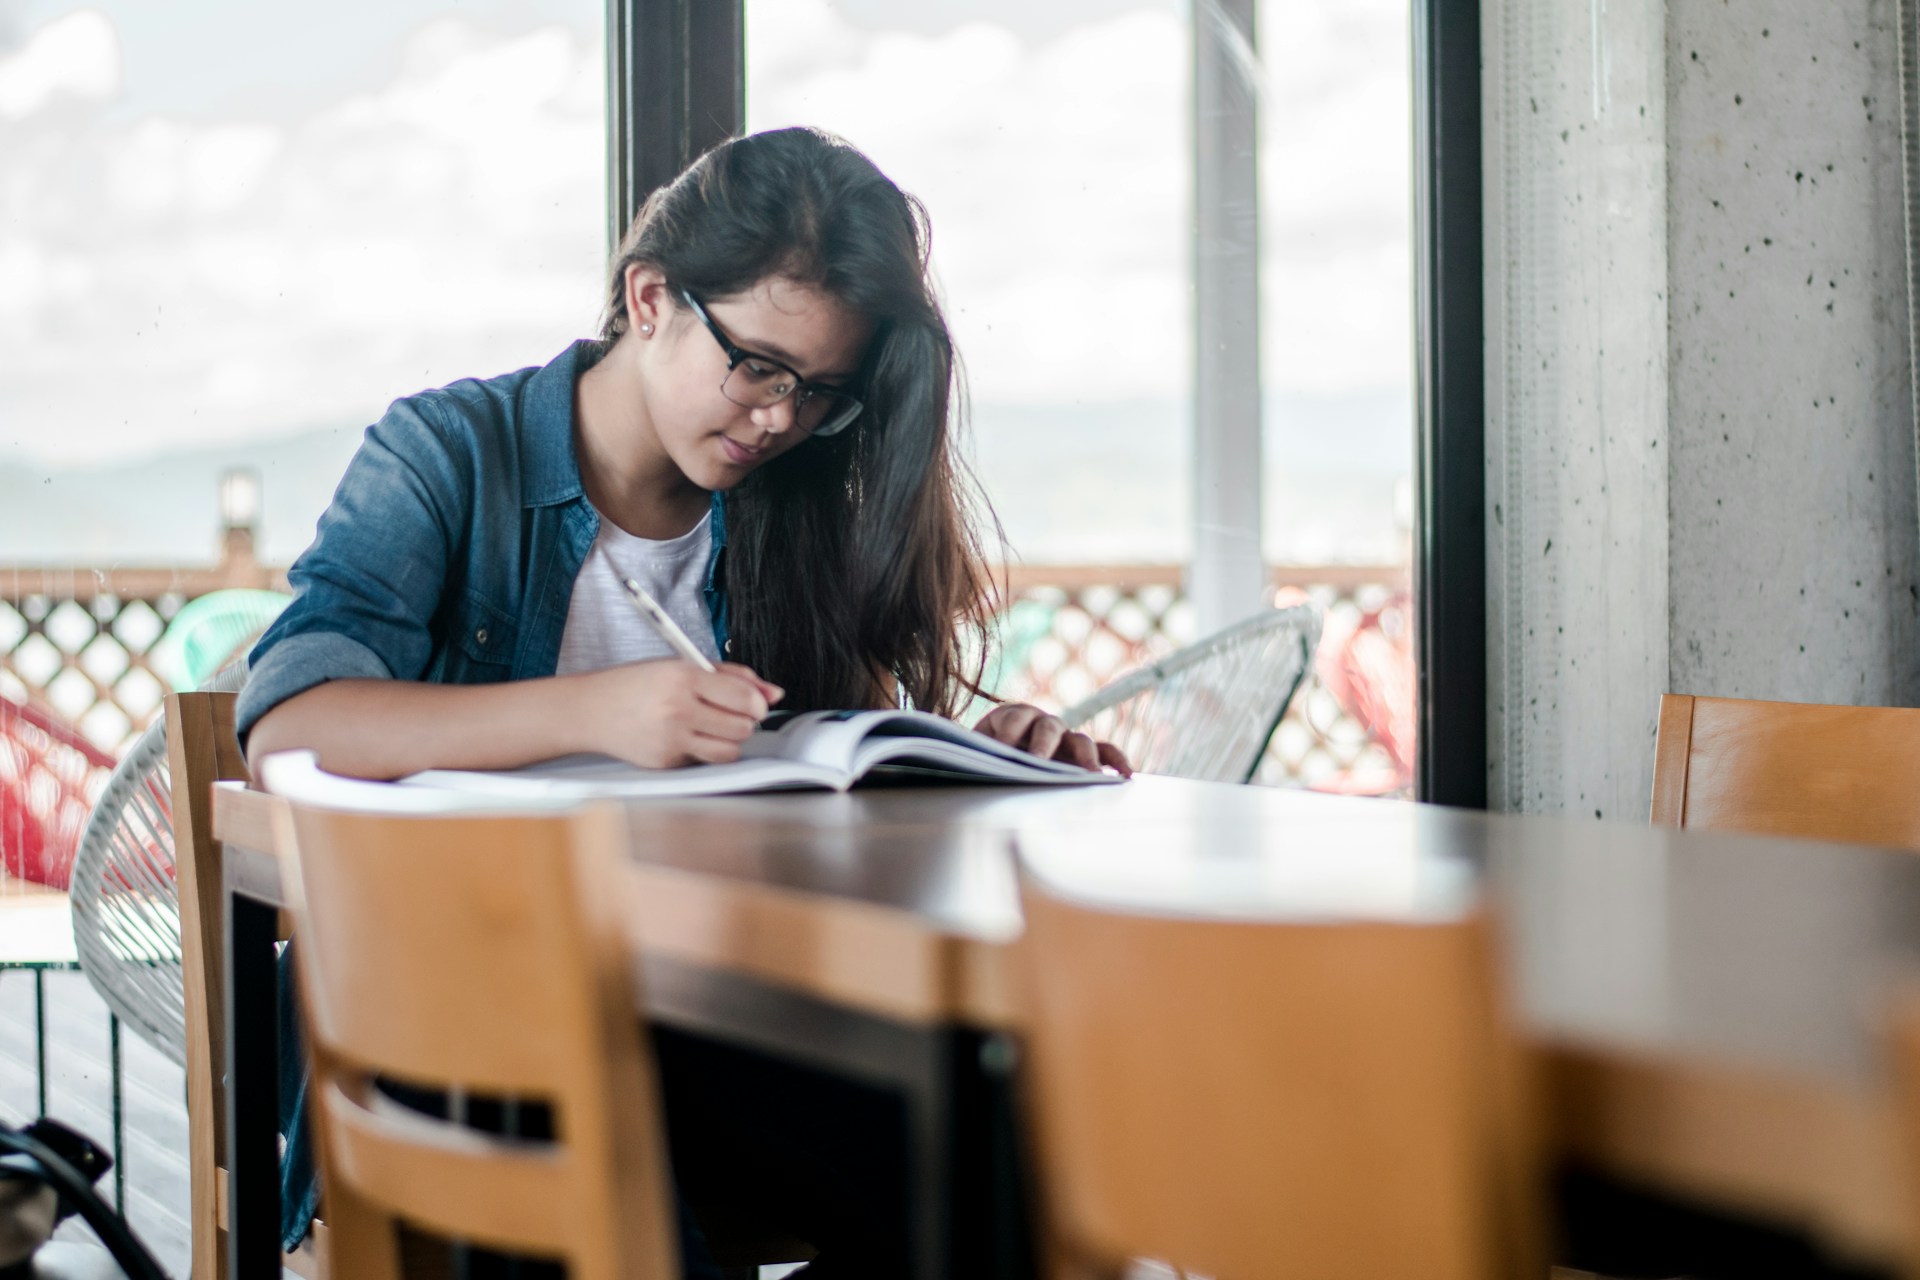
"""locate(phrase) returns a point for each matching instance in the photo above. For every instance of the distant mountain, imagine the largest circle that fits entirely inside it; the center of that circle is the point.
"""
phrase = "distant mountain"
(1112, 482)
(1070, 483)
(166, 507)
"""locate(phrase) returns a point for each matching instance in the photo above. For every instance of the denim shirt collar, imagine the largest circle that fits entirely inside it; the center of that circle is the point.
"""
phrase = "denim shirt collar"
(551, 470)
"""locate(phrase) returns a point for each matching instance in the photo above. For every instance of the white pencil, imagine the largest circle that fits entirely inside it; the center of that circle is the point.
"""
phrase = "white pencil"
(669, 629)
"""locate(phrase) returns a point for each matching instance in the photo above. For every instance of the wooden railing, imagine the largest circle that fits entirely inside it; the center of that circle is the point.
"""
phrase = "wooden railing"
(77, 639)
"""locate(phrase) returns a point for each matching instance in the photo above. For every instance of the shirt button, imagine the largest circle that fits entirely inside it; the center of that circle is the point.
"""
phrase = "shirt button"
(481, 635)
(729, 646)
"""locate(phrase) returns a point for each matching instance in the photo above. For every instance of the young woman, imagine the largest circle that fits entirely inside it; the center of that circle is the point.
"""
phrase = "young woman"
(763, 437)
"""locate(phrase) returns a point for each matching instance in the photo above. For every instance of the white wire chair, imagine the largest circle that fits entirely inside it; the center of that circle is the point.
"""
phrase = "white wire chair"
(1207, 711)
(126, 909)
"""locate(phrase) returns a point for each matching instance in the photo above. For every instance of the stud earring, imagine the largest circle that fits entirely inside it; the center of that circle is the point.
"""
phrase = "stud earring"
(646, 330)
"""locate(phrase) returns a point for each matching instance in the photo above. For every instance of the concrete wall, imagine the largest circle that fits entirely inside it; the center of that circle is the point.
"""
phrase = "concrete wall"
(1577, 423)
(1792, 523)
(1701, 467)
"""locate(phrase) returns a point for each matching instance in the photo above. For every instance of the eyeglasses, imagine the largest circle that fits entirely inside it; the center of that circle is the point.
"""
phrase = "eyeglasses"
(760, 382)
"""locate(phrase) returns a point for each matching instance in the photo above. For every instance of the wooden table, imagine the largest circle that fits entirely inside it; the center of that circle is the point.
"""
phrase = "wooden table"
(1705, 1007)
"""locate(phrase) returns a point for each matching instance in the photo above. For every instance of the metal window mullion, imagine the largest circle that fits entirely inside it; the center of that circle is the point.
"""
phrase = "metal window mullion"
(676, 86)
(1226, 579)
(1449, 567)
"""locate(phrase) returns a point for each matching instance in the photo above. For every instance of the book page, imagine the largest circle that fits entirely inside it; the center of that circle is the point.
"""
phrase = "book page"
(595, 777)
(854, 742)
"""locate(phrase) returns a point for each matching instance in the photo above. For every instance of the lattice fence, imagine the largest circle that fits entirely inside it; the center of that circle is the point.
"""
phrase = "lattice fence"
(86, 659)
(1070, 629)
(78, 641)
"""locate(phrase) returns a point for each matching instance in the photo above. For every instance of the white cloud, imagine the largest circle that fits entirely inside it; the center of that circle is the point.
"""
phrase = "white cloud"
(76, 56)
(166, 281)
(225, 165)
(1058, 178)
(1052, 173)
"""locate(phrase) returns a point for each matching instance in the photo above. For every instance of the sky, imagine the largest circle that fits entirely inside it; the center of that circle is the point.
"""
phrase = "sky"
(226, 221)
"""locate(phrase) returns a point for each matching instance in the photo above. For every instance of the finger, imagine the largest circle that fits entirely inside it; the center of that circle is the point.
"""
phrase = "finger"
(1009, 724)
(702, 749)
(1044, 738)
(768, 689)
(1078, 748)
(1114, 758)
(713, 722)
(729, 691)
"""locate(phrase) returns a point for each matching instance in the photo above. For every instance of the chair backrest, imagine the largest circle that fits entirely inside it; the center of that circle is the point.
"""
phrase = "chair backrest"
(126, 904)
(1788, 768)
(480, 956)
(1242, 1099)
(1207, 711)
(202, 749)
(48, 772)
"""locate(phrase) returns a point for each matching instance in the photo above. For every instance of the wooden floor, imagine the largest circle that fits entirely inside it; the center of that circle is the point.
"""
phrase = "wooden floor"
(78, 1094)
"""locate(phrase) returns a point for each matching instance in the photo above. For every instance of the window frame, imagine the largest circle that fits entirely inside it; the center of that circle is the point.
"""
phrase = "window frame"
(1450, 533)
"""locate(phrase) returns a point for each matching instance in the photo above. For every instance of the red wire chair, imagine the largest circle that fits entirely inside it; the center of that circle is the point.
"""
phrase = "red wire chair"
(50, 776)
(1368, 668)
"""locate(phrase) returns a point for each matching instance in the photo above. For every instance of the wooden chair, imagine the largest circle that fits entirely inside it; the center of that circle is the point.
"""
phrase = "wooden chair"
(477, 957)
(1242, 1100)
(1788, 769)
(202, 749)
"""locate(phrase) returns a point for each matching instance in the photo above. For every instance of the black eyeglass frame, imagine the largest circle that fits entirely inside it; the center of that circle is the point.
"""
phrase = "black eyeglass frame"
(800, 393)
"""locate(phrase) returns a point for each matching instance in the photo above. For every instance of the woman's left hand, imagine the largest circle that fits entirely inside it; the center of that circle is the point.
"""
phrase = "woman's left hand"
(1033, 730)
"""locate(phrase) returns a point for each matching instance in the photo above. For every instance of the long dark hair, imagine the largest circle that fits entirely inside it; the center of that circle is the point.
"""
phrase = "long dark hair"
(854, 558)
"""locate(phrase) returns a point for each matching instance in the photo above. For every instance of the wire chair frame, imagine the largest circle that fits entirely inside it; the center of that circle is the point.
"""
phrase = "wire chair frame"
(126, 910)
(126, 904)
(1208, 710)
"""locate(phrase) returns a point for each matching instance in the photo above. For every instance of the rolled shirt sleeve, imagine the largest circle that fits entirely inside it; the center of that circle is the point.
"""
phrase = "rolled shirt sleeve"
(366, 591)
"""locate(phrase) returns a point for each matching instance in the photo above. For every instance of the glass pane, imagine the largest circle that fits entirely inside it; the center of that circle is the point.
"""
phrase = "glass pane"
(235, 231)
(230, 234)
(1337, 338)
(1049, 145)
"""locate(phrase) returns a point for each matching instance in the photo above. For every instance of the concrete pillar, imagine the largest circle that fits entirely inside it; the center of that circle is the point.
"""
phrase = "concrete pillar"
(1793, 533)
(1577, 374)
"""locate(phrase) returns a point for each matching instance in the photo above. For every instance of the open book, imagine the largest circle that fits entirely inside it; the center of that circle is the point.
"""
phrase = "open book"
(826, 749)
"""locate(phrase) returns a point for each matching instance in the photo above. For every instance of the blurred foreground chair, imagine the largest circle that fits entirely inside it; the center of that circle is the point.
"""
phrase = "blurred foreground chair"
(481, 957)
(1323, 1100)
(1788, 769)
(1208, 710)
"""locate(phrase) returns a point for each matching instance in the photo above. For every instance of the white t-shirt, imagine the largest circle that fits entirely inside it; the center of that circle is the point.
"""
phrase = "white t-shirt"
(604, 629)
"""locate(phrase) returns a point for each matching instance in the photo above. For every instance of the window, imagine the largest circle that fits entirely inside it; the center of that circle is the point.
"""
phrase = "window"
(216, 256)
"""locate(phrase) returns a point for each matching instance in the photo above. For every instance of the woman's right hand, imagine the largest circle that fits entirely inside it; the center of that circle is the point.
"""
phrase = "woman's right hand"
(667, 713)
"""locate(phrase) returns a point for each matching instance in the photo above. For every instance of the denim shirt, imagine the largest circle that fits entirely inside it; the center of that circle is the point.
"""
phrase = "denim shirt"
(448, 555)
(450, 549)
